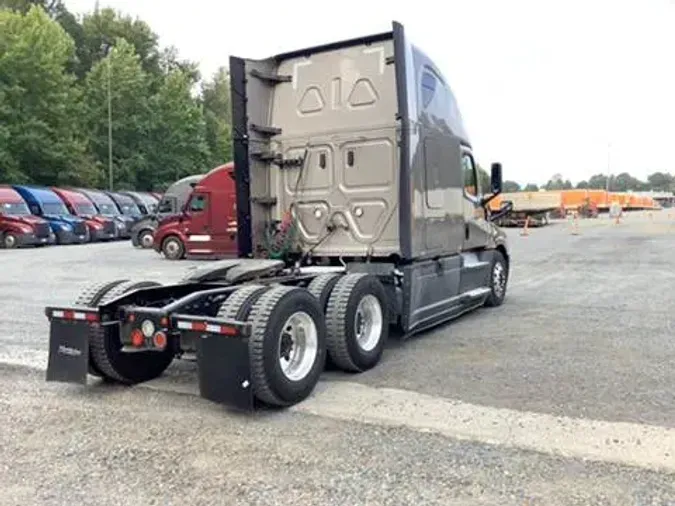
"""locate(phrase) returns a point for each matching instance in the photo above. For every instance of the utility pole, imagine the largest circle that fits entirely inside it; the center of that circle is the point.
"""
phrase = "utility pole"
(110, 166)
(107, 48)
(609, 173)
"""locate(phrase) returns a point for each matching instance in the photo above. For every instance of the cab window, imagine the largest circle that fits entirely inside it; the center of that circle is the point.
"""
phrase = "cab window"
(471, 183)
(197, 203)
(428, 88)
(168, 204)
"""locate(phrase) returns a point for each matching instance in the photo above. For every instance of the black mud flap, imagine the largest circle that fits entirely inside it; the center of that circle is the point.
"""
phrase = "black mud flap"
(68, 351)
(224, 370)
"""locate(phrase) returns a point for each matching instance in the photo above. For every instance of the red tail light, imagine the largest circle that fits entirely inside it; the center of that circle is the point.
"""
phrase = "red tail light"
(137, 339)
(159, 340)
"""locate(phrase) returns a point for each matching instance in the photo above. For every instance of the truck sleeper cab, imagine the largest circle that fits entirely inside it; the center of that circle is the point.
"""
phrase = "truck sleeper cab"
(68, 228)
(107, 207)
(18, 226)
(101, 228)
(147, 203)
(206, 226)
(126, 205)
(172, 202)
(358, 209)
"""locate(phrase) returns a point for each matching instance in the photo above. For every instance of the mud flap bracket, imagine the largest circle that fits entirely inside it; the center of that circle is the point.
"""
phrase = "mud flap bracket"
(68, 351)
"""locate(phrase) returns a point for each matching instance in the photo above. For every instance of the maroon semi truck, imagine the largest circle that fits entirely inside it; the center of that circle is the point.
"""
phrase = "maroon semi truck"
(101, 228)
(18, 226)
(207, 226)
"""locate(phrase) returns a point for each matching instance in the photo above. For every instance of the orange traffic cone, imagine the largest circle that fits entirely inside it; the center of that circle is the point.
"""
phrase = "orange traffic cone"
(526, 229)
(575, 224)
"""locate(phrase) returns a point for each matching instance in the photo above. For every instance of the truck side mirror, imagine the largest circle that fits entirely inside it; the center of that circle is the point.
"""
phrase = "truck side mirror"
(496, 178)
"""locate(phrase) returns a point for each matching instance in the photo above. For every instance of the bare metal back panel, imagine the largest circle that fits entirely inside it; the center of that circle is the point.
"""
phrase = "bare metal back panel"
(338, 112)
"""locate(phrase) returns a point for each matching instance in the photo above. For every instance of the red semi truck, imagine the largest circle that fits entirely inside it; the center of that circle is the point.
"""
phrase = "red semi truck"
(207, 226)
(18, 226)
(101, 228)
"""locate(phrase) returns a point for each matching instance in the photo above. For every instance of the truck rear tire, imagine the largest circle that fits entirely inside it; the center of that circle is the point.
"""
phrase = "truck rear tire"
(322, 286)
(238, 305)
(287, 346)
(89, 297)
(357, 321)
(105, 347)
(499, 274)
(173, 248)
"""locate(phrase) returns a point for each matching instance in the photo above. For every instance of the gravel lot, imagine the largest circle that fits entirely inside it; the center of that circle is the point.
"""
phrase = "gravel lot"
(586, 333)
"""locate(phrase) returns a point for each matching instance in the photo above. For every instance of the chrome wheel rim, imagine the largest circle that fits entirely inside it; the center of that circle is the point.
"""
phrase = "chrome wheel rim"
(368, 322)
(499, 279)
(146, 239)
(10, 241)
(298, 346)
(172, 248)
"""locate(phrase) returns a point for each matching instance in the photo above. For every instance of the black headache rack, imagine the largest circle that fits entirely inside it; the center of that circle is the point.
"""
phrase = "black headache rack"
(221, 347)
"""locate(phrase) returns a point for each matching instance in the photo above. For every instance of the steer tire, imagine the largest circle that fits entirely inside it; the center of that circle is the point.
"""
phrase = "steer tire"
(143, 238)
(179, 251)
(322, 286)
(105, 347)
(238, 305)
(342, 318)
(268, 317)
(89, 297)
(499, 273)
(10, 241)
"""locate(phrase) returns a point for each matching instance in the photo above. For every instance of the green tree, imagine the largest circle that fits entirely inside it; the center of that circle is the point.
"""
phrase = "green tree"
(42, 143)
(625, 182)
(169, 61)
(531, 187)
(511, 186)
(131, 115)
(218, 117)
(177, 145)
(105, 26)
(52, 7)
(598, 182)
(661, 181)
(582, 185)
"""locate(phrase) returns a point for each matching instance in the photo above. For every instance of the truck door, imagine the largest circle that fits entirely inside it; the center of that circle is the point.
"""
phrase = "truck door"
(198, 224)
(475, 223)
(224, 224)
(474, 265)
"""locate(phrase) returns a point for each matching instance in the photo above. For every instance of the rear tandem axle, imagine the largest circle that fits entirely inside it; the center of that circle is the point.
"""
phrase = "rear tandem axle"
(263, 340)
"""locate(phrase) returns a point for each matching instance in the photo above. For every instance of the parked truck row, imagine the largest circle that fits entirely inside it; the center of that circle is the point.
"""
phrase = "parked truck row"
(352, 177)
(38, 216)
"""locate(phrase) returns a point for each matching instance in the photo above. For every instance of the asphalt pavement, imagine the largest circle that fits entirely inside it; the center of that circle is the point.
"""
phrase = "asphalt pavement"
(564, 395)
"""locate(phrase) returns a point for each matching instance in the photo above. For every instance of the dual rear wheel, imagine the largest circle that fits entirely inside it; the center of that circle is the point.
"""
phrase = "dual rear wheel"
(340, 317)
(295, 329)
(106, 359)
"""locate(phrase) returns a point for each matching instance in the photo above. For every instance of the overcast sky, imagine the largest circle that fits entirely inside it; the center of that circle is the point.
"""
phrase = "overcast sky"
(544, 87)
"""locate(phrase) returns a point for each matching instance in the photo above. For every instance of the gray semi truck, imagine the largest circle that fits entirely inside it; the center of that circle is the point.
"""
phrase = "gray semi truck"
(172, 203)
(353, 218)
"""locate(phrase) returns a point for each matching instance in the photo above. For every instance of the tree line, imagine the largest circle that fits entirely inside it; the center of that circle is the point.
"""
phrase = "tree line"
(657, 181)
(70, 84)
(60, 73)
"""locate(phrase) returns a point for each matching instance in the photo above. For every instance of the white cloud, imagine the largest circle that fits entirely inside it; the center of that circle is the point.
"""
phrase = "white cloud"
(543, 86)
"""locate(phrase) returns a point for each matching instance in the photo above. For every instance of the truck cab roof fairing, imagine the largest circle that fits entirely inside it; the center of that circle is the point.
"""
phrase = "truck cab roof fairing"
(436, 103)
